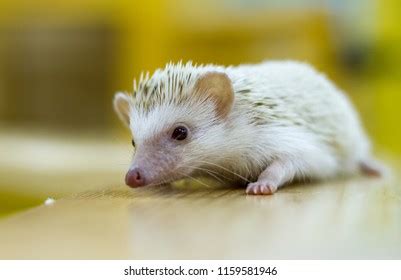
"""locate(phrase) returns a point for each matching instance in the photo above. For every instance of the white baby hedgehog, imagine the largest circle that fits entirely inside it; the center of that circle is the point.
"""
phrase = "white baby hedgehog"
(264, 125)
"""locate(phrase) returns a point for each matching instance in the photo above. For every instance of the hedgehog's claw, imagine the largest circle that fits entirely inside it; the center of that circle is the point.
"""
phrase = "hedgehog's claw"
(260, 188)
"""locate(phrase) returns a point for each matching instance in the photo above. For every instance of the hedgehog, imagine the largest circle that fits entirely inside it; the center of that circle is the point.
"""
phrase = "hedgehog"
(260, 126)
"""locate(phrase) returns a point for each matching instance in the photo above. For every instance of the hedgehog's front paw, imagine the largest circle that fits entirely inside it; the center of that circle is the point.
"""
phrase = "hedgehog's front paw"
(260, 188)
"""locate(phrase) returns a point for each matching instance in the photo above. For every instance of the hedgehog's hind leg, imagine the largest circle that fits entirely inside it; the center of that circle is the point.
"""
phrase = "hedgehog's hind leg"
(274, 176)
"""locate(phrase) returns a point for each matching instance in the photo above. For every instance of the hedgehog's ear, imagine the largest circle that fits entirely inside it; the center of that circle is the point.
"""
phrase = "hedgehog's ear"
(122, 105)
(218, 87)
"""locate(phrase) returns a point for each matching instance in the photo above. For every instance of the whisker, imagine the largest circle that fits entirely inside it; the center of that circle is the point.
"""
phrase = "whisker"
(226, 169)
(197, 180)
(162, 182)
(208, 171)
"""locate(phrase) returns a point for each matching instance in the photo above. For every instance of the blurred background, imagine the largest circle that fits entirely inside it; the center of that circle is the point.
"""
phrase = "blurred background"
(61, 62)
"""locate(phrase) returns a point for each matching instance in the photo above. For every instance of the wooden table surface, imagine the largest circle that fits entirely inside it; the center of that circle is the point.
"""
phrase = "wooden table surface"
(353, 218)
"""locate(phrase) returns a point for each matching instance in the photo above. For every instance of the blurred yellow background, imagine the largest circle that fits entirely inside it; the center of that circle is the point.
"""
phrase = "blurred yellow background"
(61, 62)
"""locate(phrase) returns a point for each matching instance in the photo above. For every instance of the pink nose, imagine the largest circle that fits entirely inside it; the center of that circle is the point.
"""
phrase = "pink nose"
(135, 178)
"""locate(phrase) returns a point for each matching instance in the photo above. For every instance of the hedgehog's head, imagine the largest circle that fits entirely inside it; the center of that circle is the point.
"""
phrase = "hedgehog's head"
(175, 127)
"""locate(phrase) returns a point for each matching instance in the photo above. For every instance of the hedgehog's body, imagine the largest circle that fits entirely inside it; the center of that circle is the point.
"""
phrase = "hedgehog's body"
(271, 123)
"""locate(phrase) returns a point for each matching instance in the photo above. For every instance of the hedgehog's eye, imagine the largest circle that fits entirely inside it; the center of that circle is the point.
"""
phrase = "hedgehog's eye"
(133, 143)
(180, 133)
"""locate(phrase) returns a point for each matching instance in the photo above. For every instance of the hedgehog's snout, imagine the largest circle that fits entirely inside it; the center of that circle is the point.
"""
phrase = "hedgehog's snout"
(135, 178)
(157, 161)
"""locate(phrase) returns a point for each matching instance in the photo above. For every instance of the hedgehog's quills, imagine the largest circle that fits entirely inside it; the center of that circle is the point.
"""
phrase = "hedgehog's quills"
(270, 123)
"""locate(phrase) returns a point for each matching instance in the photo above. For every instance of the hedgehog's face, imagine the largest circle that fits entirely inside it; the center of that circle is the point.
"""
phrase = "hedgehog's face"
(171, 139)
